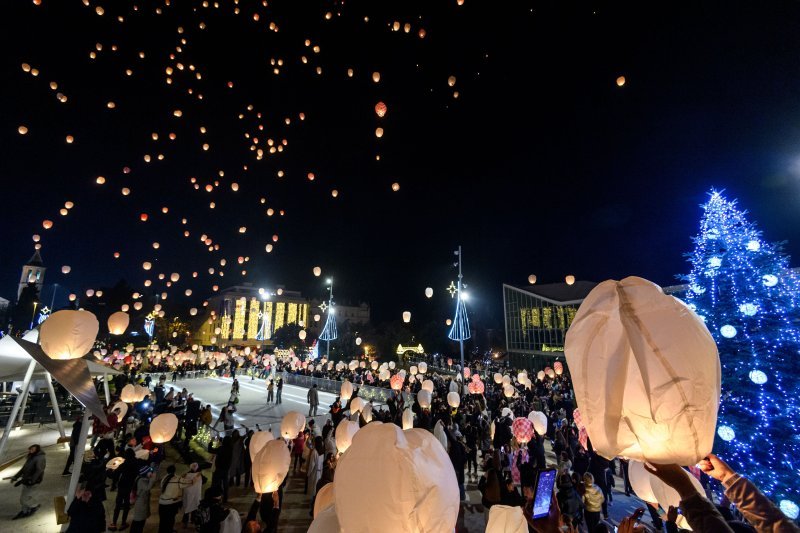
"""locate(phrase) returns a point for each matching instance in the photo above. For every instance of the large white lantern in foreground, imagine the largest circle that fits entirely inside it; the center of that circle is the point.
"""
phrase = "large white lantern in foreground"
(506, 519)
(68, 334)
(128, 394)
(163, 428)
(292, 424)
(271, 466)
(346, 391)
(539, 421)
(659, 398)
(408, 477)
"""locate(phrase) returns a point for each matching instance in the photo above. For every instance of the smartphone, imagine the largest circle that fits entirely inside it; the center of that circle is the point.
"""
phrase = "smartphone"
(543, 497)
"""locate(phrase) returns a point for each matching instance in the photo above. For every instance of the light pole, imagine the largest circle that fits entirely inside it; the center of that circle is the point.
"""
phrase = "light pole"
(33, 316)
(329, 332)
(460, 329)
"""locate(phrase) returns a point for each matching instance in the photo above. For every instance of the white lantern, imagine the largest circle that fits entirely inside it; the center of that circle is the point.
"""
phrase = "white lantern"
(570, 279)
(317, 271)
(422, 368)
(651, 489)
(539, 421)
(353, 365)
(323, 500)
(427, 385)
(406, 316)
(346, 391)
(141, 392)
(358, 341)
(163, 428)
(68, 334)
(408, 477)
(508, 390)
(118, 323)
(326, 521)
(121, 408)
(292, 424)
(258, 441)
(413, 370)
(506, 519)
(356, 405)
(540, 375)
(424, 399)
(661, 400)
(408, 419)
(373, 365)
(344, 434)
(429, 292)
(302, 334)
(392, 365)
(453, 400)
(271, 466)
(498, 378)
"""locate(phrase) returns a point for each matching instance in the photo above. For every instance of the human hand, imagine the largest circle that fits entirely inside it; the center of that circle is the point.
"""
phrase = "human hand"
(674, 476)
(630, 525)
(672, 514)
(716, 468)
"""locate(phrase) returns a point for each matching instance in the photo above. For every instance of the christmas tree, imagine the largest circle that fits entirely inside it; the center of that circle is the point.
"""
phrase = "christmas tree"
(748, 296)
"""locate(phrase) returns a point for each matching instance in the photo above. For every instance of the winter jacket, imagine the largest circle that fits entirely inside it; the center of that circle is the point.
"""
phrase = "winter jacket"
(593, 500)
(702, 515)
(32, 471)
(756, 508)
(86, 517)
(141, 507)
(313, 397)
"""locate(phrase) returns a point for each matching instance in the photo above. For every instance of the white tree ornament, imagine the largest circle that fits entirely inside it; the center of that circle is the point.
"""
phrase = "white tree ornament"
(659, 399)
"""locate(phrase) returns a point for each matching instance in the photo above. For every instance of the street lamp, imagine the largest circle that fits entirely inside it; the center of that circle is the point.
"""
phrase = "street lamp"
(329, 332)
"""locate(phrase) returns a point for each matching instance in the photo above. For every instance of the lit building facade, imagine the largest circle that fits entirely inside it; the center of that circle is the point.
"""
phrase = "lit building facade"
(537, 318)
(243, 316)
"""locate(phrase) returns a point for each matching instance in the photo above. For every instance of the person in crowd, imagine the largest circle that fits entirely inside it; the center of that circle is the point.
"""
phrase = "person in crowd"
(298, 445)
(30, 476)
(222, 465)
(128, 472)
(270, 388)
(570, 503)
(212, 511)
(278, 390)
(593, 501)
(206, 417)
(141, 504)
(313, 400)
(192, 484)
(169, 502)
(86, 513)
(73, 443)
(314, 468)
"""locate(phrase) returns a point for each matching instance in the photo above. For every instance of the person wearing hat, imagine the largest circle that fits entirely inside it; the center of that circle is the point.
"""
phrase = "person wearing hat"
(141, 504)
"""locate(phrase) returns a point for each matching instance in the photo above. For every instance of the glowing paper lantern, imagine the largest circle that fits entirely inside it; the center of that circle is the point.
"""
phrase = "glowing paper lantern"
(115, 463)
(651, 489)
(424, 398)
(663, 404)
(408, 419)
(344, 434)
(270, 466)
(539, 421)
(423, 367)
(66, 269)
(569, 279)
(540, 375)
(413, 370)
(451, 81)
(532, 279)
(395, 186)
(391, 365)
(118, 323)
(397, 382)
(376, 76)
(427, 385)
(422, 495)
(620, 81)
(163, 428)
(558, 367)
(121, 408)
(508, 390)
(453, 400)
(292, 424)
(352, 365)
(522, 429)
(317, 271)
(467, 372)
(47, 224)
(346, 391)
(357, 405)
(406, 316)
(258, 441)
(380, 109)
(68, 334)
(128, 394)
(302, 334)
(506, 519)
(429, 292)
(358, 343)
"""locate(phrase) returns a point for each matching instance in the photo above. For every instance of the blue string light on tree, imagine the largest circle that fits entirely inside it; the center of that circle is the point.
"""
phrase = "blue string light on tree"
(744, 289)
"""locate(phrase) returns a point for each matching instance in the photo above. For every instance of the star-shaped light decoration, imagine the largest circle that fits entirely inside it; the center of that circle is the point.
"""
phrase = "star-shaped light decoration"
(323, 306)
(452, 289)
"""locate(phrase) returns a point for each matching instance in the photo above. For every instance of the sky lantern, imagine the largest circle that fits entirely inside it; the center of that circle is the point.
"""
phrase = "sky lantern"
(66, 269)
(68, 334)
(570, 280)
(143, 217)
(47, 224)
(376, 76)
(147, 265)
(429, 292)
(292, 424)
(193, 311)
(406, 316)
(620, 81)
(378, 132)
(156, 245)
(664, 411)
(138, 306)
(395, 186)
(380, 109)
(125, 191)
(522, 429)
(100, 180)
(174, 277)
(118, 323)
(451, 81)
(23, 130)
(453, 400)
(317, 271)
(163, 428)
(302, 334)
(396, 382)
(532, 279)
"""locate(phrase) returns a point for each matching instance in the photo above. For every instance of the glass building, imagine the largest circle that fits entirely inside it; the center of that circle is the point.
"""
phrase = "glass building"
(537, 318)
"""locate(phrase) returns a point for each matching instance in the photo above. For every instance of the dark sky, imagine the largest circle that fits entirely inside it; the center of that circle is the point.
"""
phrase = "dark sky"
(542, 164)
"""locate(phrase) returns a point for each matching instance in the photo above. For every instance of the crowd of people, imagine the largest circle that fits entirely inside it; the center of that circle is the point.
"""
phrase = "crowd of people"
(477, 435)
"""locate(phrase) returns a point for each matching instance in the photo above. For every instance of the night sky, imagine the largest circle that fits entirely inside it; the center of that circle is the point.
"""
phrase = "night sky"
(542, 165)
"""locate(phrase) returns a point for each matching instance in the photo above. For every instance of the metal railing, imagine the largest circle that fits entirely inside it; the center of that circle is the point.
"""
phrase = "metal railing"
(367, 392)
